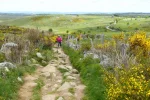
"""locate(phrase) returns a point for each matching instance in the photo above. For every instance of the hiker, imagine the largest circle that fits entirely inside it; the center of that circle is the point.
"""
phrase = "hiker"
(59, 40)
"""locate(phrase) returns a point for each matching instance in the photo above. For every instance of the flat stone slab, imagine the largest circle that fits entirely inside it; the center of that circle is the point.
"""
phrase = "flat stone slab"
(65, 86)
(49, 97)
(60, 98)
(49, 68)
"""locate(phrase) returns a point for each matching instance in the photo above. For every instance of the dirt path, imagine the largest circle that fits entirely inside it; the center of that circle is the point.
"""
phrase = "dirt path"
(108, 27)
(61, 80)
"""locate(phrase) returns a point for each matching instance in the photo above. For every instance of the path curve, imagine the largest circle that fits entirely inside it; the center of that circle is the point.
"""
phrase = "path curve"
(108, 27)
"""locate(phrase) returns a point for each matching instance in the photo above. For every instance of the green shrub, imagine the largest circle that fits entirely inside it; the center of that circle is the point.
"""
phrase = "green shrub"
(85, 46)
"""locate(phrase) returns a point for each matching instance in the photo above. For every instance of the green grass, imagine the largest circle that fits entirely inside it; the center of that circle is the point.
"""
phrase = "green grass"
(71, 90)
(37, 90)
(9, 84)
(131, 24)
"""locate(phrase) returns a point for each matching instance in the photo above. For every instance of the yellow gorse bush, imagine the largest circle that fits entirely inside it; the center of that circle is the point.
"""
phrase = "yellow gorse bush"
(53, 38)
(139, 43)
(128, 84)
(119, 37)
(102, 46)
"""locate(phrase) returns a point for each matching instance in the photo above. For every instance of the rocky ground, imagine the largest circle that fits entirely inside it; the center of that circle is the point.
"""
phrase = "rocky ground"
(61, 80)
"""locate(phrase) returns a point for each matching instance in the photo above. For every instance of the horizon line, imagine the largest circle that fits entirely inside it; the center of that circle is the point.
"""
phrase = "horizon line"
(74, 12)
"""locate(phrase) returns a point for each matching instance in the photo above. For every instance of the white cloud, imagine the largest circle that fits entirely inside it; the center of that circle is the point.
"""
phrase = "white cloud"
(76, 5)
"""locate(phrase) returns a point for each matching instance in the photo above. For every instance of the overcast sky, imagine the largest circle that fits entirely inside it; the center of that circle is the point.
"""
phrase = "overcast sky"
(75, 5)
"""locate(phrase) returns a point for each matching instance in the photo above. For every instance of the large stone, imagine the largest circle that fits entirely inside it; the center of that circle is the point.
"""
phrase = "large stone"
(106, 61)
(49, 68)
(64, 87)
(49, 97)
(19, 79)
(6, 48)
(7, 64)
(71, 78)
(62, 67)
(69, 67)
(62, 56)
(39, 55)
(75, 71)
(60, 98)
(73, 84)
(95, 56)
(67, 74)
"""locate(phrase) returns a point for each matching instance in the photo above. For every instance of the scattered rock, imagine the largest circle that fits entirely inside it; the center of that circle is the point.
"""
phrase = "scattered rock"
(69, 67)
(6, 48)
(49, 68)
(67, 74)
(7, 64)
(49, 97)
(71, 78)
(62, 67)
(39, 55)
(106, 61)
(75, 71)
(95, 56)
(19, 79)
(60, 98)
(65, 86)
(62, 56)
(6, 69)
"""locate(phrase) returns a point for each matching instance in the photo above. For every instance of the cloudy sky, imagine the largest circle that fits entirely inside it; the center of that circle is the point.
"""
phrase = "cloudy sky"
(75, 5)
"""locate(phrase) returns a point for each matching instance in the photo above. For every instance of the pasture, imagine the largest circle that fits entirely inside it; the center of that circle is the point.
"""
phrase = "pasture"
(91, 24)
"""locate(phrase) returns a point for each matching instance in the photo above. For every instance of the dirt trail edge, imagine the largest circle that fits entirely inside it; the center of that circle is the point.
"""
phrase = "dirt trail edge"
(61, 80)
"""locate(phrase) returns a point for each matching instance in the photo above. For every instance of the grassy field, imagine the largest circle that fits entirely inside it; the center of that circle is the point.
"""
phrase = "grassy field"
(132, 24)
(62, 23)
(94, 24)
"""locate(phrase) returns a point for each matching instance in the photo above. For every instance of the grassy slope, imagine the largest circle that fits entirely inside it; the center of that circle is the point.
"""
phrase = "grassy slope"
(140, 23)
(61, 23)
(86, 23)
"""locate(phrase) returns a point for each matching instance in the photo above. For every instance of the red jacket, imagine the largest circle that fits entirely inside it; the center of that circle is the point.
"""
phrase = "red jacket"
(59, 39)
